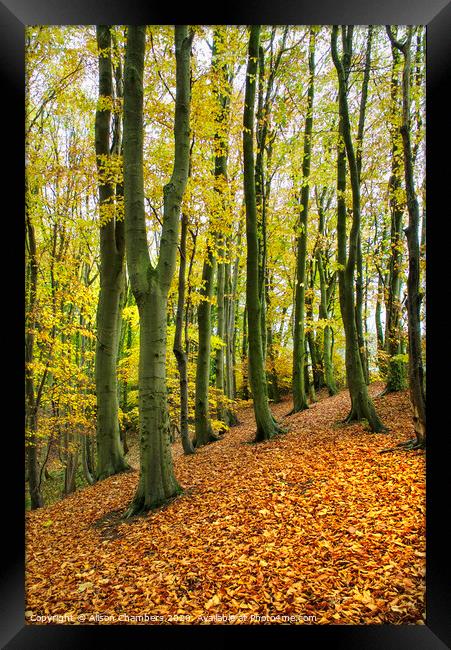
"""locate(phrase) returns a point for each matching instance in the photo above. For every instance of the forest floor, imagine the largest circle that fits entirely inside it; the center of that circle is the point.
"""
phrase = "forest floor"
(315, 526)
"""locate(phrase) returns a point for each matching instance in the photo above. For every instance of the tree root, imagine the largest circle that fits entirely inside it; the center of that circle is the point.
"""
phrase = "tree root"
(277, 431)
(280, 430)
(125, 467)
(139, 507)
(408, 445)
(293, 411)
(354, 417)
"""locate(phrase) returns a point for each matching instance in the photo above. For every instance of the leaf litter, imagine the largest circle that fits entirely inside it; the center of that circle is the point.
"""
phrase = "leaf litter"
(315, 525)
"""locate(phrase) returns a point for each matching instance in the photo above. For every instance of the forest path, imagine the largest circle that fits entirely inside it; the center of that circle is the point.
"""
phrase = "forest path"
(312, 523)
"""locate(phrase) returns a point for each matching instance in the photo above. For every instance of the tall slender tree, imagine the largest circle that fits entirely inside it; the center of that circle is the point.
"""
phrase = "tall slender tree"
(31, 398)
(299, 360)
(393, 306)
(203, 429)
(110, 455)
(414, 296)
(267, 73)
(222, 89)
(359, 261)
(150, 284)
(361, 405)
(266, 425)
(179, 351)
(327, 285)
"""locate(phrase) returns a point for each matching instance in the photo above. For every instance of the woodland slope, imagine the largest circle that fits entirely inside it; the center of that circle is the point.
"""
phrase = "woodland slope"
(315, 524)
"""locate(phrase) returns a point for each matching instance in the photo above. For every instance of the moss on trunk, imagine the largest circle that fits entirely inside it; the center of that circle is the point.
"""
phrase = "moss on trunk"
(150, 285)
(266, 426)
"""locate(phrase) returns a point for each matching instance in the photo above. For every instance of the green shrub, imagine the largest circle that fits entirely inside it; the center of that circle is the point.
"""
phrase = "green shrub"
(397, 375)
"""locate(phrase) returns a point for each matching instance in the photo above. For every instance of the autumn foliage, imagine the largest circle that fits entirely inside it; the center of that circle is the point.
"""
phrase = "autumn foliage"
(316, 525)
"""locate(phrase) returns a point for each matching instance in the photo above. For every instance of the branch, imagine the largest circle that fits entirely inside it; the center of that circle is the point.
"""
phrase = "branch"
(400, 46)
(153, 210)
(158, 69)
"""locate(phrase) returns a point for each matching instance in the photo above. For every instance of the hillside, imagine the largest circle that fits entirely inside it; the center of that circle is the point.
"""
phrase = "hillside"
(315, 526)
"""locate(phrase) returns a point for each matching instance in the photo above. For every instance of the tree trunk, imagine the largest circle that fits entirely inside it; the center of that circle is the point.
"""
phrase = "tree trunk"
(231, 307)
(378, 314)
(229, 339)
(203, 431)
(110, 455)
(150, 285)
(393, 305)
(262, 119)
(84, 460)
(324, 306)
(222, 90)
(299, 388)
(245, 357)
(31, 405)
(220, 409)
(361, 405)
(179, 352)
(414, 297)
(273, 384)
(266, 425)
(312, 340)
(359, 260)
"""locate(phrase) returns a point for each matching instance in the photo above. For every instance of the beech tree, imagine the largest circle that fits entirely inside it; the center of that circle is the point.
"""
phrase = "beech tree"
(203, 430)
(299, 343)
(179, 351)
(391, 340)
(32, 399)
(359, 261)
(327, 282)
(110, 454)
(361, 405)
(266, 425)
(150, 284)
(414, 296)
(320, 210)
(223, 81)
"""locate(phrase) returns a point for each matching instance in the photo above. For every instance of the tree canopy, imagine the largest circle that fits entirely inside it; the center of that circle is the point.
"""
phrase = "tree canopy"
(218, 218)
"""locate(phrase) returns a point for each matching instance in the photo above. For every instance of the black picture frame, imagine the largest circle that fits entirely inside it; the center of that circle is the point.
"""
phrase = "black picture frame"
(436, 15)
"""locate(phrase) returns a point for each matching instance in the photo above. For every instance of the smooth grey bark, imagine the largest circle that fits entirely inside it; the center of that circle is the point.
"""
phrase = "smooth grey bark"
(84, 461)
(70, 435)
(266, 94)
(266, 425)
(125, 346)
(110, 455)
(273, 384)
(378, 313)
(203, 429)
(361, 405)
(326, 290)
(271, 353)
(312, 340)
(299, 360)
(359, 259)
(220, 318)
(71, 463)
(229, 317)
(231, 312)
(179, 352)
(245, 358)
(150, 284)
(414, 296)
(83, 344)
(393, 302)
(223, 88)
